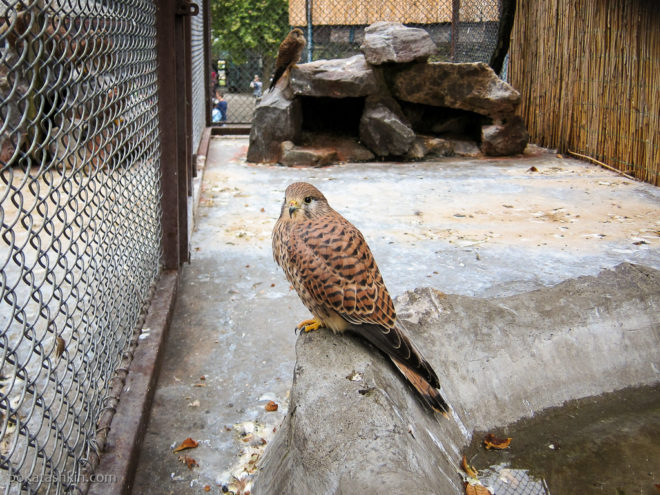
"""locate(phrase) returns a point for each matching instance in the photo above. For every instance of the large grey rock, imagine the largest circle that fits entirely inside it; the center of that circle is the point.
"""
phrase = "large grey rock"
(384, 129)
(298, 156)
(505, 137)
(346, 148)
(354, 427)
(337, 78)
(464, 147)
(277, 118)
(427, 146)
(393, 42)
(469, 86)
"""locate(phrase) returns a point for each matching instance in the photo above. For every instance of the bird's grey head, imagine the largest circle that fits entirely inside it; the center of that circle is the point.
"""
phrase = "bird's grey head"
(303, 201)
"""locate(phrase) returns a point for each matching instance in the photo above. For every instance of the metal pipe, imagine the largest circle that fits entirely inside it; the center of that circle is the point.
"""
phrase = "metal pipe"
(455, 21)
(310, 38)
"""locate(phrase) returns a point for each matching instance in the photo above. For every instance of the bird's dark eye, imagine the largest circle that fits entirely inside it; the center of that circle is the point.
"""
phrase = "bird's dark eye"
(308, 199)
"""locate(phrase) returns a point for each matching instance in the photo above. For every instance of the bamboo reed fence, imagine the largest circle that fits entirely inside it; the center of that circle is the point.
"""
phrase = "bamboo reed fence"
(350, 12)
(589, 75)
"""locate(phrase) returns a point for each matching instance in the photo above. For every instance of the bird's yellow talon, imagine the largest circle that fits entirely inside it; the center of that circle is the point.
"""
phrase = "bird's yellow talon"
(309, 325)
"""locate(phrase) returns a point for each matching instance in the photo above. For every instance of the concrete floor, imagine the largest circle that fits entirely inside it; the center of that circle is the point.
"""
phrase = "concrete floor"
(482, 227)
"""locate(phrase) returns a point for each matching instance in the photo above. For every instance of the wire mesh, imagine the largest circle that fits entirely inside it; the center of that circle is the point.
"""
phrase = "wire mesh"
(199, 82)
(80, 225)
(246, 36)
(504, 480)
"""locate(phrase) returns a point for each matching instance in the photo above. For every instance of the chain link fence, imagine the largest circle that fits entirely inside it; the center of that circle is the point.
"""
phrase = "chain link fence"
(80, 226)
(246, 36)
(504, 480)
(198, 39)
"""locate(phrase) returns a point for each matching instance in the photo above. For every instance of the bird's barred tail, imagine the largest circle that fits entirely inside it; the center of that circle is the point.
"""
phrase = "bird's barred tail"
(276, 76)
(429, 394)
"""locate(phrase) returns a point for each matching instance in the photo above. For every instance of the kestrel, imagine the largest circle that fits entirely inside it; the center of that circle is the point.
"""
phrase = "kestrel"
(289, 53)
(330, 265)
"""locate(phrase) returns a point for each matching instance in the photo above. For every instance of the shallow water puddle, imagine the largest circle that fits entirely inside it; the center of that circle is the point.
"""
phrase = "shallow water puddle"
(606, 444)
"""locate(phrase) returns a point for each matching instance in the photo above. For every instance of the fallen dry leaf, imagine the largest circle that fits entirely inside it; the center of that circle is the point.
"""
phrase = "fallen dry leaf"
(252, 464)
(476, 490)
(271, 406)
(61, 344)
(354, 376)
(492, 442)
(188, 461)
(471, 472)
(188, 443)
(438, 293)
(240, 483)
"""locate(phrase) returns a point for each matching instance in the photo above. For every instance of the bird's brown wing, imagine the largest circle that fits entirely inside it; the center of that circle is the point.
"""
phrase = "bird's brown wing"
(339, 272)
(337, 269)
(288, 54)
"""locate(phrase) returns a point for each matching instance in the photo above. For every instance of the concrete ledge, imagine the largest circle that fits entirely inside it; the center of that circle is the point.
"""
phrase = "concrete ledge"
(498, 360)
(199, 168)
(119, 459)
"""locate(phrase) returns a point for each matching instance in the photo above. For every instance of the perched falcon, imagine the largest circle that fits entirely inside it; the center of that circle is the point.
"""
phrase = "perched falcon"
(328, 262)
(289, 54)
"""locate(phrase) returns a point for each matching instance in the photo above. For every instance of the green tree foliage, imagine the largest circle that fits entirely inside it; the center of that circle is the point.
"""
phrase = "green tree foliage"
(245, 28)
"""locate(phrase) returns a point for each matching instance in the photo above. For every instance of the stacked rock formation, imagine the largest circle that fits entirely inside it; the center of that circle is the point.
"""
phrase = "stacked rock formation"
(407, 107)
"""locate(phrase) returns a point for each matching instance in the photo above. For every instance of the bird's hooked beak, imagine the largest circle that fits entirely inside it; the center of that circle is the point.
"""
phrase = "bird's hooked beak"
(293, 206)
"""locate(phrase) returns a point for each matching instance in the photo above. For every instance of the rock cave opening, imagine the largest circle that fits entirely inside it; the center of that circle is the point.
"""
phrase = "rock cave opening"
(444, 122)
(333, 116)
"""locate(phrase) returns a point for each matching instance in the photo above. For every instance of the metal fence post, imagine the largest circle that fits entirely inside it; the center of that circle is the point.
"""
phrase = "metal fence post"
(455, 23)
(309, 6)
(171, 76)
(183, 23)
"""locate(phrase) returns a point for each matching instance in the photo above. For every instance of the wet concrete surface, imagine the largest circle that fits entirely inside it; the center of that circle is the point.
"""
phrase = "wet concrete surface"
(605, 444)
(487, 227)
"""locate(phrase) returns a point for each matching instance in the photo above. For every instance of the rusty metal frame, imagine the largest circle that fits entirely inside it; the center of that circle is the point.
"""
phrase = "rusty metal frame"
(175, 158)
